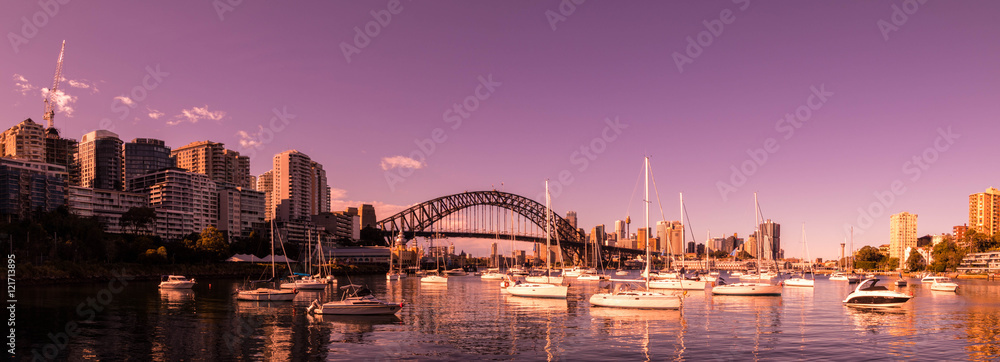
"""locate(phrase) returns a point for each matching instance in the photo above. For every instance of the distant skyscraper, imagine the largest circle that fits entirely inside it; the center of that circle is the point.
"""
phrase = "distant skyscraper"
(571, 218)
(142, 156)
(367, 216)
(25, 141)
(770, 240)
(670, 234)
(984, 211)
(598, 236)
(299, 187)
(214, 160)
(265, 184)
(100, 157)
(902, 234)
(620, 230)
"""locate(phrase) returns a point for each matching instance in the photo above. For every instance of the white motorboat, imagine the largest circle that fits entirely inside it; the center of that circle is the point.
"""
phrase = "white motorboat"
(944, 284)
(932, 279)
(457, 272)
(838, 276)
(736, 274)
(621, 272)
(631, 296)
(176, 282)
(867, 294)
(538, 290)
(573, 272)
(305, 283)
(356, 301)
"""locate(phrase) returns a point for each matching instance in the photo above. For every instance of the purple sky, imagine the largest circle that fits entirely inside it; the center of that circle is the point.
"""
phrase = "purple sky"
(228, 74)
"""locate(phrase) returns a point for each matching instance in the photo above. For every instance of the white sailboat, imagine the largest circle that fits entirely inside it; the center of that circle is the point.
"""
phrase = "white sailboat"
(307, 281)
(631, 295)
(678, 281)
(268, 294)
(435, 278)
(758, 288)
(803, 282)
(542, 290)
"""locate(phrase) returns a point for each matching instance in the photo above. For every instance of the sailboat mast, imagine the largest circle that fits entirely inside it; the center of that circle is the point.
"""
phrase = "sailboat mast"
(759, 242)
(272, 249)
(683, 244)
(645, 202)
(548, 258)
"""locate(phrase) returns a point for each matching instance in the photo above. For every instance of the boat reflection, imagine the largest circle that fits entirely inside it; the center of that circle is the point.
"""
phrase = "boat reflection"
(633, 315)
(176, 297)
(877, 320)
(545, 304)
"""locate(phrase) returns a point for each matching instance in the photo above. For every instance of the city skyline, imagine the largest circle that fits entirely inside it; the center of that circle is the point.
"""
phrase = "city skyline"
(506, 95)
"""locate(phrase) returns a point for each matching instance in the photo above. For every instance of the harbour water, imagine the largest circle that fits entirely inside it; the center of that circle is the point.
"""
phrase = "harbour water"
(470, 318)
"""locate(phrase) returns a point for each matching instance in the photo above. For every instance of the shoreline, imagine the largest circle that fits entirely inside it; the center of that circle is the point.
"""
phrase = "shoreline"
(67, 272)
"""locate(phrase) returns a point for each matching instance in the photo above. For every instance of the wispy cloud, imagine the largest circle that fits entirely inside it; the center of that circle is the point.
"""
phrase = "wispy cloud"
(248, 140)
(22, 86)
(62, 101)
(196, 114)
(82, 83)
(154, 114)
(126, 100)
(337, 194)
(389, 163)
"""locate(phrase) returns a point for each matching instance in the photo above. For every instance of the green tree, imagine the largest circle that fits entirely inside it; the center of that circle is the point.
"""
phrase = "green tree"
(211, 245)
(981, 242)
(719, 254)
(947, 256)
(915, 261)
(137, 218)
(868, 258)
(744, 255)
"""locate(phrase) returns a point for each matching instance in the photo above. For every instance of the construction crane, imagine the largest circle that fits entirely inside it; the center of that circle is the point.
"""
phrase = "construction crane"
(50, 107)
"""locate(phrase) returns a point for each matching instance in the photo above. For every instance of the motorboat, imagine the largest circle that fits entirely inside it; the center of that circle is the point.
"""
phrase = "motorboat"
(736, 274)
(761, 276)
(932, 279)
(944, 284)
(747, 289)
(394, 275)
(176, 282)
(621, 272)
(357, 300)
(492, 274)
(868, 294)
(628, 295)
(538, 290)
(900, 282)
(838, 276)
(573, 272)
(305, 283)
(457, 272)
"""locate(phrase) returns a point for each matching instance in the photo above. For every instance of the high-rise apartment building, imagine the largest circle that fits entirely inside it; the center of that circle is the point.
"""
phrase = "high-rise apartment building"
(769, 240)
(25, 141)
(100, 158)
(670, 234)
(298, 187)
(62, 151)
(214, 160)
(902, 234)
(142, 156)
(265, 183)
(26, 186)
(984, 211)
(185, 201)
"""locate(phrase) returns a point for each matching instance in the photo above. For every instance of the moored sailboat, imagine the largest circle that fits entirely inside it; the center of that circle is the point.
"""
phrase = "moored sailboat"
(758, 288)
(543, 290)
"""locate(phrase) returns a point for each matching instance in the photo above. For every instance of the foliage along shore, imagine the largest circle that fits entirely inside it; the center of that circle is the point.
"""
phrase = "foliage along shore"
(69, 272)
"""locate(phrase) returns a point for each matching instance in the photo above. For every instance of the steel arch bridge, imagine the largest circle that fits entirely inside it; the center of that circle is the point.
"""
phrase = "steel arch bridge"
(418, 220)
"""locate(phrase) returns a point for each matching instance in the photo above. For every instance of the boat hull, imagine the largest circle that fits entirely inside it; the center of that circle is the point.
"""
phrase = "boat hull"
(682, 284)
(538, 290)
(305, 285)
(264, 294)
(944, 287)
(434, 279)
(334, 309)
(543, 279)
(747, 289)
(176, 285)
(800, 282)
(636, 301)
(491, 276)
(875, 301)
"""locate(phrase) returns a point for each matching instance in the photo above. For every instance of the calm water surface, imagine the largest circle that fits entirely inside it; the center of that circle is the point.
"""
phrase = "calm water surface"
(470, 319)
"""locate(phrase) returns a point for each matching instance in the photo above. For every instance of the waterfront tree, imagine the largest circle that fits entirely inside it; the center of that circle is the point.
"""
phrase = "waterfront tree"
(915, 261)
(947, 257)
(211, 245)
(868, 258)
